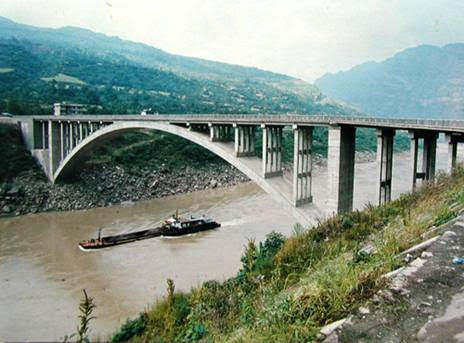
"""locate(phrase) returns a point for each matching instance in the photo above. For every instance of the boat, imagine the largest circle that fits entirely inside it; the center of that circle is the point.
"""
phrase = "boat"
(172, 227)
(176, 226)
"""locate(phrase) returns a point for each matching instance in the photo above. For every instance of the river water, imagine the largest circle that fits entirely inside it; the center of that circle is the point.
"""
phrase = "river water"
(42, 272)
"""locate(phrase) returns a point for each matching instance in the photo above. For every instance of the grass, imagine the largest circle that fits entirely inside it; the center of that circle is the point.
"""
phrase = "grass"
(287, 289)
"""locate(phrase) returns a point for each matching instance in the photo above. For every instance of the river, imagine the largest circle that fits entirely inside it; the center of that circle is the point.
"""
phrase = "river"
(42, 272)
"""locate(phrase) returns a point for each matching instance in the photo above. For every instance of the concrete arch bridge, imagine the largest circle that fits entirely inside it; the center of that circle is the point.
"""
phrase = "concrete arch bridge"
(60, 143)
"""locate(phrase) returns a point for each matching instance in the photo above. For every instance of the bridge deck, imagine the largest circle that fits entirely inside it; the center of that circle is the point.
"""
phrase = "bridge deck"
(310, 120)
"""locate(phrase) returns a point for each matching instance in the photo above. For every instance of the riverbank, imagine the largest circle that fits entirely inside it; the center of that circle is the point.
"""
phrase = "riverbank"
(288, 289)
(105, 185)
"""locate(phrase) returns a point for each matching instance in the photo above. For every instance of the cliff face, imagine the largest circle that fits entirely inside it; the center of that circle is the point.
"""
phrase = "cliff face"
(425, 81)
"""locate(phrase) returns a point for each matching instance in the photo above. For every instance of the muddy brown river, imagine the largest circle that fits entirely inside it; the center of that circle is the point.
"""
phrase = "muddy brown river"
(42, 271)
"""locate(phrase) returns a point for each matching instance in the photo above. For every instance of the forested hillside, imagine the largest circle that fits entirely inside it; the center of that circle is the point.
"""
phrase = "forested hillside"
(40, 66)
(425, 81)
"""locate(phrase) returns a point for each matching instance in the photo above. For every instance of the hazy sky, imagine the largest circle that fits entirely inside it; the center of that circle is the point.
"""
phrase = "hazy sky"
(300, 38)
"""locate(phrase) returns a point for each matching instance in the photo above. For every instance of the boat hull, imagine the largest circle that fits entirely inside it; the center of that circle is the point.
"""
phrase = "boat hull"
(166, 231)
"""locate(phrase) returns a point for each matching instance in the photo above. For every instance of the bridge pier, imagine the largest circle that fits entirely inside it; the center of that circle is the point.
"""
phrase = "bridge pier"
(272, 151)
(453, 141)
(341, 154)
(384, 164)
(428, 156)
(244, 139)
(220, 133)
(55, 147)
(302, 165)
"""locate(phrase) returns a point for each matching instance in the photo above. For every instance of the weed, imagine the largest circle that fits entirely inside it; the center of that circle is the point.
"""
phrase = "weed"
(86, 308)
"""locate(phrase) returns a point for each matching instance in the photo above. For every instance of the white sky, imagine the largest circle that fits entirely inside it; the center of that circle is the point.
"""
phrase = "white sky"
(299, 38)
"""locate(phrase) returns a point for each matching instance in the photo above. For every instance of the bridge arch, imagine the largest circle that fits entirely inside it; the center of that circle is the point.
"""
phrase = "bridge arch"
(250, 166)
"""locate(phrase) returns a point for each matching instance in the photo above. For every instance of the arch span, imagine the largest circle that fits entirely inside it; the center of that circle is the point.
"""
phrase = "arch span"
(278, 188)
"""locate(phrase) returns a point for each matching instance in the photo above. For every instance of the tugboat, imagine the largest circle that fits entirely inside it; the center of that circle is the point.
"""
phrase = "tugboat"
(174, 226)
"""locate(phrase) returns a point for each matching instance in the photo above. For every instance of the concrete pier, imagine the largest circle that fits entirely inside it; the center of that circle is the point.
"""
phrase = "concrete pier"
(429, 153)
(341, 154)
(219, 133)
(453, 140)
(302, 164)
(54, 142)
(244, 138)
(384, 164)
(272, 151)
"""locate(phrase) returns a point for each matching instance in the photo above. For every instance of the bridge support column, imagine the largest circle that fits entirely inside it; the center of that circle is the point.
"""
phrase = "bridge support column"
(71, 135)
(272, 151)
(384, 164)
(428, 156)
(302, 164)
(244, 140)
(452, 141)
(341, 154)
(220, 133)
(45, 131)
(81, 132)
(62, 148)
(55, 147)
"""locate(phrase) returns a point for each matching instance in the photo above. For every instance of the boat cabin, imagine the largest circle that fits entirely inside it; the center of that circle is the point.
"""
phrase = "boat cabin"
(182, 223)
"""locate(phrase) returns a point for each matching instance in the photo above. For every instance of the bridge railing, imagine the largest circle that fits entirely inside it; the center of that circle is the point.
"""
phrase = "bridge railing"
(318, 119)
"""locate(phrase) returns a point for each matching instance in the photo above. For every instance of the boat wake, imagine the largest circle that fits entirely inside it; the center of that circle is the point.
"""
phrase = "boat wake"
(236, 222)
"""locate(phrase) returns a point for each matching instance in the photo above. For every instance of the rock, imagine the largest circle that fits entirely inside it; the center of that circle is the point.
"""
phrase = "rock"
(376, 299)
(154, 184)
(213, 183)
(426, 254)
(328, 329)
(408, 258)
(449, 235)
(364, 310)
(6, 209)
(13, 190)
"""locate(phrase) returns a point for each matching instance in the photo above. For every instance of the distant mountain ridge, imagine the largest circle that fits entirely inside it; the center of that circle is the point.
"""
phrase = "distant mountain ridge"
(426, 81)
(43, 65)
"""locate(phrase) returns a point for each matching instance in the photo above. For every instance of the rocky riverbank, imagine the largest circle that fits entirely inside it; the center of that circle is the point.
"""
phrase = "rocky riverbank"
(107, 184)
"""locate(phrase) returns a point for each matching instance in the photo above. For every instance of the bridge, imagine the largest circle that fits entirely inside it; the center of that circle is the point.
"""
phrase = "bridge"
(61, 142)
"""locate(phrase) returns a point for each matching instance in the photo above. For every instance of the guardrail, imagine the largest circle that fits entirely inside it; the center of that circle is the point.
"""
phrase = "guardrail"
(274, 119)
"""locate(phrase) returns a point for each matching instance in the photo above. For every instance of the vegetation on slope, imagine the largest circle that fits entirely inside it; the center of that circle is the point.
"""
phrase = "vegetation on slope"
(288, 288)
(41, 74)
(13, 153)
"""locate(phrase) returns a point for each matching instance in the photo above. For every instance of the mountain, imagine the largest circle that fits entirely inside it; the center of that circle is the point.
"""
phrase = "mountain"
(39, 66)
(425, 81)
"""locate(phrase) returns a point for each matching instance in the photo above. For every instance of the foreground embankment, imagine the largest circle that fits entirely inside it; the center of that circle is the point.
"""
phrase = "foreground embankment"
(288, 289)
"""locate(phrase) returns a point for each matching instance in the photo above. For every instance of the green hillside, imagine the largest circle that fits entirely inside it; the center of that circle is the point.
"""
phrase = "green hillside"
(110, 75)
(425, 81)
